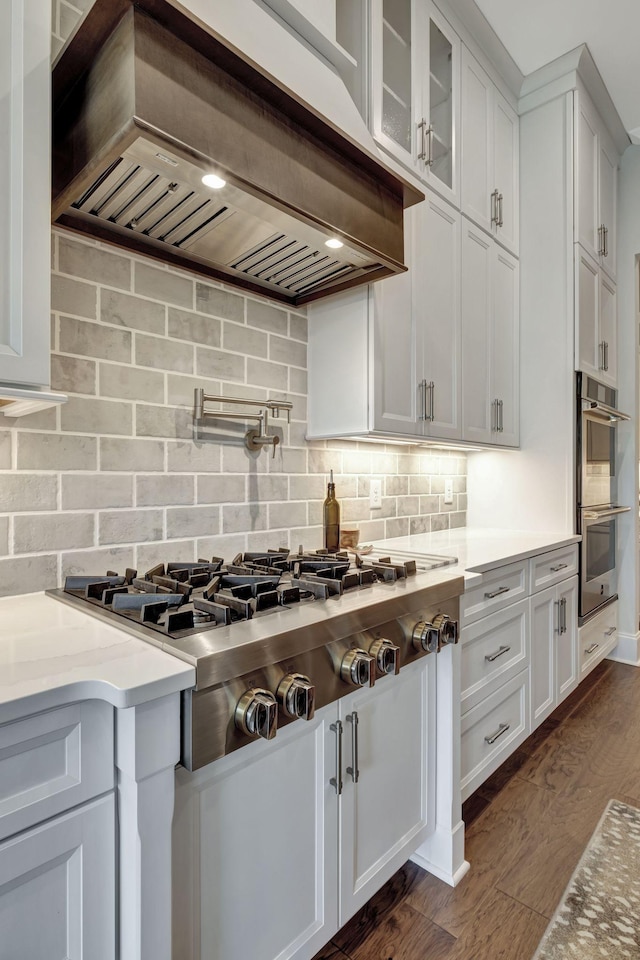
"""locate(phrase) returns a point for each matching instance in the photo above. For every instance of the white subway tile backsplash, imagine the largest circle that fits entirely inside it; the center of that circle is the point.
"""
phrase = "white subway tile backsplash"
(94, 340)
(96, 263)
(136, 313)
(49, 451)
(134, 455)
(193, 522)
(36, 533)
(156, 490)
(27, 492)
(73, 374)
(185, 325)
(160, 284)
(218, 302)
(130, 526)
(81, 491)
(161, 354)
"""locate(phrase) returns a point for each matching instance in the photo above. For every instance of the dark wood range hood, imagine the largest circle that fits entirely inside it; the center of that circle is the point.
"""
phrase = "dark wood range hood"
(147, 101)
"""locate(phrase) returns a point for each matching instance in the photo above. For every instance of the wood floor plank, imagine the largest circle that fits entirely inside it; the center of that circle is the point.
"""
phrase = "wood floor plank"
(492, 845)
(503, 930)
(331, 952)
(402, 934)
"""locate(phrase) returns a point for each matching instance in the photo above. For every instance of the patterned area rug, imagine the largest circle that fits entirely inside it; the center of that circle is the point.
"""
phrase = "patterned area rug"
(599, 915)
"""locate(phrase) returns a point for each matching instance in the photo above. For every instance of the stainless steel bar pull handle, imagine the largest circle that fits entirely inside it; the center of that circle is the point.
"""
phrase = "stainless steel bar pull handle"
(610, 632)
(606, 240)
(559, 566)
(354, 770)
(422, 127)
(502, 728)
(501, 412)
(337, 780)
(500, 222)
(430, 157)
(494, 207)
(431, 389)
(563, 604)
(606, 355)
(495, 415)
(423, 400)
(601, 345)
(594, 646)
(490, 657)
(600, 240)
(497, 593)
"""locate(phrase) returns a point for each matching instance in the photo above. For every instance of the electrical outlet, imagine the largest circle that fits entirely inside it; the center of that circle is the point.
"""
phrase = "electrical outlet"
(375, 495)
(448, 491)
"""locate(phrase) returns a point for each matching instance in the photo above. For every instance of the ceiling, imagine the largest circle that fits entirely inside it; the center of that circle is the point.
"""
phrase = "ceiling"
(536, 33)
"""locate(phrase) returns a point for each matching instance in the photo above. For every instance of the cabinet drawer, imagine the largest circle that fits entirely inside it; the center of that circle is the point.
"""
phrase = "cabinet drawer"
(554, 566)
(597, 638)
(53, 761)
(492, 730)
(494, 649)
(497, 589)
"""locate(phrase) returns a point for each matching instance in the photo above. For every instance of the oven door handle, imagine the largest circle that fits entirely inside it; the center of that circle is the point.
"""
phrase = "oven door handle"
(602, 411)
(604, 513)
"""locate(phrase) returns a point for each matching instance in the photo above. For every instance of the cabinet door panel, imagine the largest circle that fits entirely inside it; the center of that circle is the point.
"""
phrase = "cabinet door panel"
(544, 623)
(390, 810)
(57, 888)
(437, 304)
(477, 253)
(25, 218)
(586, 200)
(609, 330)
(587, 313)
(477, 150)
(443, 91)
(608, 176)
(505, 344)
(255, 849)
(505, 165)
(567, 659)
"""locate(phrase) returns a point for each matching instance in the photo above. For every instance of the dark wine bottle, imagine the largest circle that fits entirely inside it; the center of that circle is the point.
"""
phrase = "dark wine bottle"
(331, 515)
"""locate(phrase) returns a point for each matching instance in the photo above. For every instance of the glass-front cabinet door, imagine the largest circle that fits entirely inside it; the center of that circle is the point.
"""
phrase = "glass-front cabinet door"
(415, 65)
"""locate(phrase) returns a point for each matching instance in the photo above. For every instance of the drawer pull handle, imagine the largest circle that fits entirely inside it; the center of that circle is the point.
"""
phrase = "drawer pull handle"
(502, 728)
(496, 593)
(608, 632)
(561, 566)
(594, 646)
(490, 657)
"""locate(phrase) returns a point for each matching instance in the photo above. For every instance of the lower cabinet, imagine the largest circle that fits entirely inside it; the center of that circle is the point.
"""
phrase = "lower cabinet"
(57, 887)
(597, 638)
(278, 844)
(520, 656)
(555, 670)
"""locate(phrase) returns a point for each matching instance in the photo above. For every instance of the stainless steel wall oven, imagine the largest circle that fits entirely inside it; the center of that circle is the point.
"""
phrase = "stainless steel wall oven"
(596, 493)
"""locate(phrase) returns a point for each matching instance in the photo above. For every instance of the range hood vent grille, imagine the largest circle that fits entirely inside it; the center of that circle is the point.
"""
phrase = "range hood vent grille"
(146, 101)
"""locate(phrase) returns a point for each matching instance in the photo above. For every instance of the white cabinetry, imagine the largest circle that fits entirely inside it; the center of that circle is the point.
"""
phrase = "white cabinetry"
(57, 868)
(597, 638)
(398, 354)
(321, 854)
(596, 319)
(596, 184)
(25, 43)
(554, 650)
(489, 155)
(519, 656)
(490, 340)
(415, 76)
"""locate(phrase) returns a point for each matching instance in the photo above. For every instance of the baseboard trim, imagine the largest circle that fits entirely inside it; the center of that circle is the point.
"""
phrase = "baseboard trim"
(442, 854)
(452, 879)
(627, 649)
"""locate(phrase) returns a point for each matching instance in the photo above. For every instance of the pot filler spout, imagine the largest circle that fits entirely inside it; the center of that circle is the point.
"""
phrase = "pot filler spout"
(169, 142)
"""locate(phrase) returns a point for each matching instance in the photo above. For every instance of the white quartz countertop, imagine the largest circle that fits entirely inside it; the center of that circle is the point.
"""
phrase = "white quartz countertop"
(51, 654)
(479, 549)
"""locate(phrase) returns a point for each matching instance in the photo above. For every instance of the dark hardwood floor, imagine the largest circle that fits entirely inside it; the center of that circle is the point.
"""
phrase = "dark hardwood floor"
(527, 827)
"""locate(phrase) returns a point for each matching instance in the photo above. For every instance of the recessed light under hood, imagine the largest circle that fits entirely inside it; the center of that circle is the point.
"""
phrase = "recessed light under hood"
(147, 101)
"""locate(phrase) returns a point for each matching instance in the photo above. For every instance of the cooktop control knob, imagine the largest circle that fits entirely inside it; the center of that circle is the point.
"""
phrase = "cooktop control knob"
(297, 695)
(425, 636)
(357, 668)
(447, 629)
(386, 654)
(256, 713)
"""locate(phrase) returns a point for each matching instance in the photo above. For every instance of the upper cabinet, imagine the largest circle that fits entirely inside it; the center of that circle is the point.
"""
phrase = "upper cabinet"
(25, 216)
(415, 90)
(595, 184)
(489, 155)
